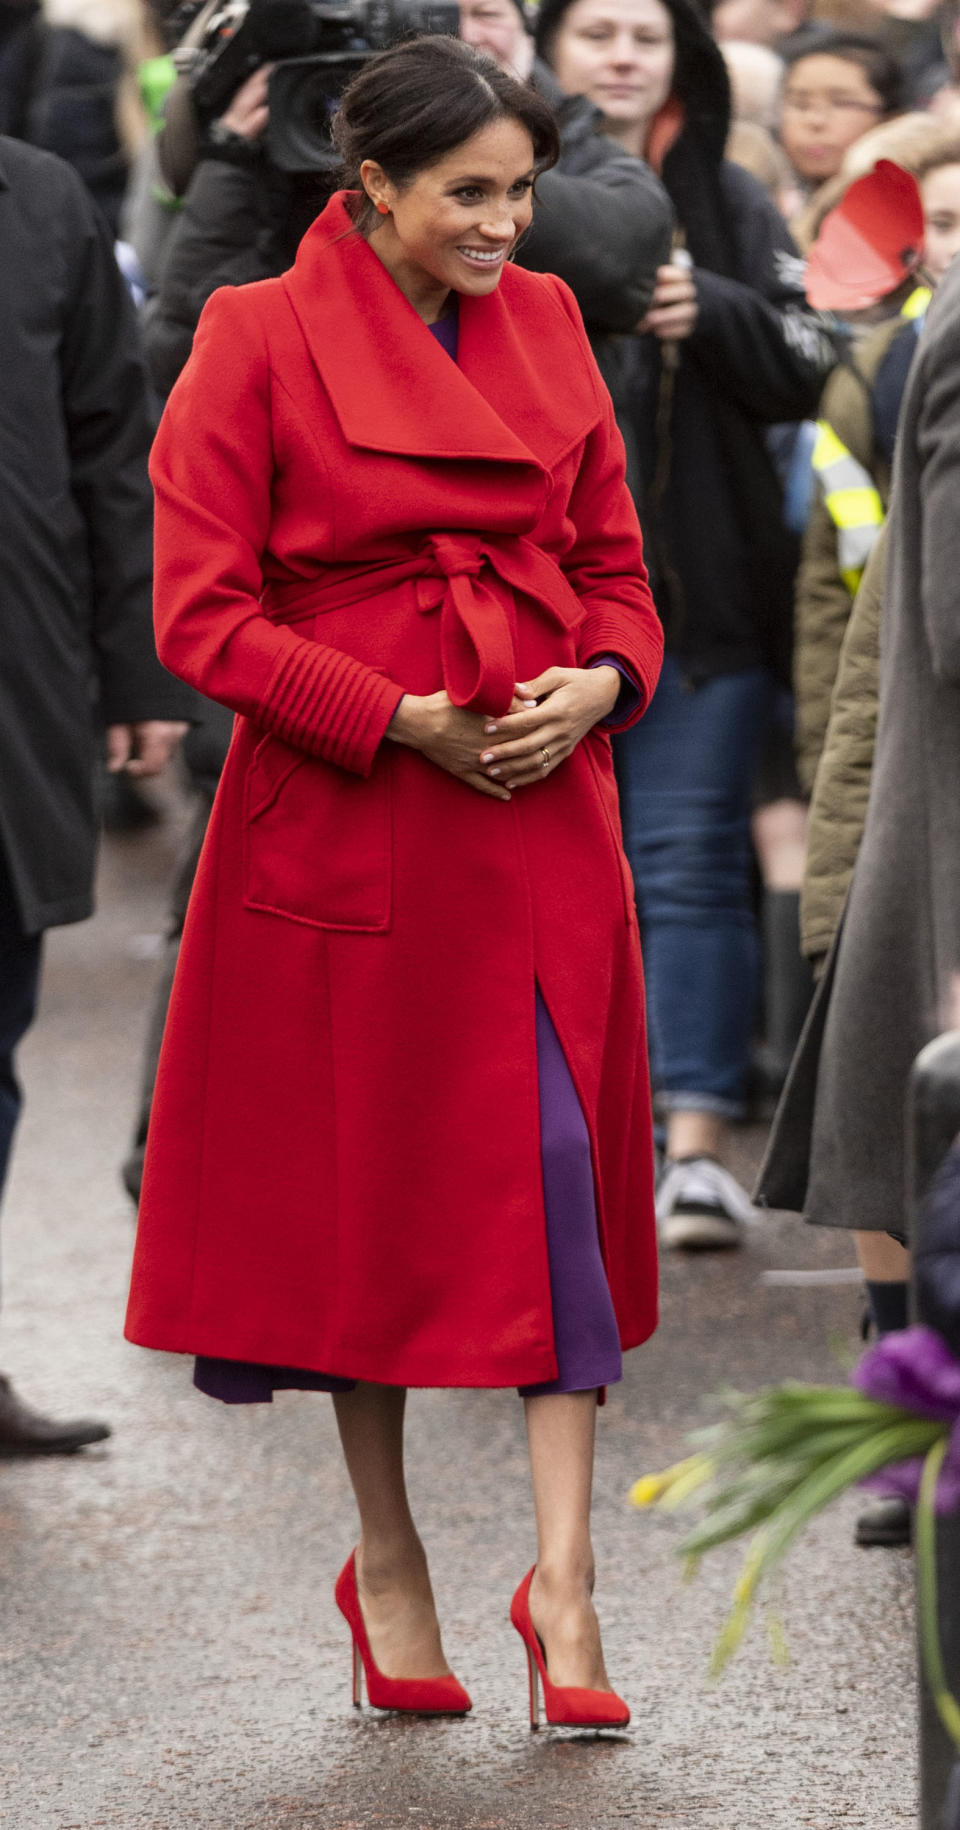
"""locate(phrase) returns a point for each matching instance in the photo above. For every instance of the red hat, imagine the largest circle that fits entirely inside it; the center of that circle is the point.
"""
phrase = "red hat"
(869, 244)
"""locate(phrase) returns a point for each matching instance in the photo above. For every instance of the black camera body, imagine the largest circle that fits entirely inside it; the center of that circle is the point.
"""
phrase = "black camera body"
(315, 47)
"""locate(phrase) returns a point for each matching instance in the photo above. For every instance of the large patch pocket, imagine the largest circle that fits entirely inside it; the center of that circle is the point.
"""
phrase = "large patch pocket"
(317, 843)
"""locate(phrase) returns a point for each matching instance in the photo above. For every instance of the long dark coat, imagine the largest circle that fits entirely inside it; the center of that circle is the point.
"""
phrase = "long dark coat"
(343, 1171)
(76, 641)
(837, 1153)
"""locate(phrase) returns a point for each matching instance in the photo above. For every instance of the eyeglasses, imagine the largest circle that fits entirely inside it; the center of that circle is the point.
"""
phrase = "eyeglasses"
(796, 102)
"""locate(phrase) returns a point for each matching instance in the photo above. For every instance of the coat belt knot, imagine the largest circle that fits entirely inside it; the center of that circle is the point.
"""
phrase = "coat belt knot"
(478, 628)
(463, 576)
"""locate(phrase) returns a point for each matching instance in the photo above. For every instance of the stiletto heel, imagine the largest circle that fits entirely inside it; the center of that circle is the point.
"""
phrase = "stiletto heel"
(565, 1705)
(534, 1690)
(439, 1696)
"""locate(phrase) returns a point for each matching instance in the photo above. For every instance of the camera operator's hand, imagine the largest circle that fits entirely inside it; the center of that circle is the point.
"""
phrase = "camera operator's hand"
(248, 113)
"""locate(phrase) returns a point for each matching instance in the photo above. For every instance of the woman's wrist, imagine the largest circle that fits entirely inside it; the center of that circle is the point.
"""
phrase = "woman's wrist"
(407, 724)
(608, 681)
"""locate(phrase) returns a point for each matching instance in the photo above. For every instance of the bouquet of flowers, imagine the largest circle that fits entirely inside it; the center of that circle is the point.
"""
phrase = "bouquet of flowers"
(784, 1453)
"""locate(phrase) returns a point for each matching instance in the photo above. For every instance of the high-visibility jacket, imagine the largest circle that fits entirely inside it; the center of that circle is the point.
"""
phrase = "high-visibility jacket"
(850, 495)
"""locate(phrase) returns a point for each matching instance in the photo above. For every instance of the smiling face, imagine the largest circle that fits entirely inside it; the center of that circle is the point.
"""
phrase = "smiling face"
(620, 53)
(828, 103)
(453, 226)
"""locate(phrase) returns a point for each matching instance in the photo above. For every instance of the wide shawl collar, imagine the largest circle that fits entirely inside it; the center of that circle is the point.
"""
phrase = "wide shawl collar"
(394, 389)
(522, 393)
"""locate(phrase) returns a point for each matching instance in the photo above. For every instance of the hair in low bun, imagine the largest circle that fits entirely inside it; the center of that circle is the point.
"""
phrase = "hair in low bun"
(412, 105)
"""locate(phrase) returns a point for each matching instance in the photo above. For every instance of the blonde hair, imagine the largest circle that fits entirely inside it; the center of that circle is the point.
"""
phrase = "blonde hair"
(757, 152)
(756, 75)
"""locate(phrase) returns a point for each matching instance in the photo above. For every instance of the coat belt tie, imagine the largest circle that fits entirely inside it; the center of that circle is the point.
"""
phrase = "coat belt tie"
(478, 647)
(477, 629)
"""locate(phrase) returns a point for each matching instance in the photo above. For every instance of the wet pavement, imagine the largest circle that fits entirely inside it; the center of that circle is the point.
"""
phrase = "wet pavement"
(170, 1654)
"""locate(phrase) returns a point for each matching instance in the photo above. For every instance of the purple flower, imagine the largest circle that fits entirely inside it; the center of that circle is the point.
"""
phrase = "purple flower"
(915, 1369)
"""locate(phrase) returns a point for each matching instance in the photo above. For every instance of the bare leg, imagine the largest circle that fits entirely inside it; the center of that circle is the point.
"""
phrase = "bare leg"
(882, 1260)
(392, 1576)
(695, 1134)
(780, 837)
(561, 1428)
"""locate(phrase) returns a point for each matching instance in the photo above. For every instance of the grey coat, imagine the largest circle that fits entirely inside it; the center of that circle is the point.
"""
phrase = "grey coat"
(76, 631)
(887, 990)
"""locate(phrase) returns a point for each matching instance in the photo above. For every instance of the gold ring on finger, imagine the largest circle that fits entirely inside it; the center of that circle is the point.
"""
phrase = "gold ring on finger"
(546, 759)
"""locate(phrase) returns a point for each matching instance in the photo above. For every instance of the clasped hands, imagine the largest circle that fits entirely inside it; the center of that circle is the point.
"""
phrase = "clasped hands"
(547, 718)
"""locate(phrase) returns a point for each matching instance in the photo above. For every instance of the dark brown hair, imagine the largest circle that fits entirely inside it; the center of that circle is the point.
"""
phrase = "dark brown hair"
(880, 67)
(415, 103)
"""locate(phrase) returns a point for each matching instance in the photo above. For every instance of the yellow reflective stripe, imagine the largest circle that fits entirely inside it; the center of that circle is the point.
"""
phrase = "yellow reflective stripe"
(854, 507)
(827, 447)
(917, 303)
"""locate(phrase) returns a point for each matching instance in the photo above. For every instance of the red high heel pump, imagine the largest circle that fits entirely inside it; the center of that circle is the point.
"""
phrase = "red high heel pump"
(439, 1696)
(566, 1705)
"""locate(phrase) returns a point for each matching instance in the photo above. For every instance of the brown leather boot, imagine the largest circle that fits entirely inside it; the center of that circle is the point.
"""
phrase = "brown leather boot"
(26, 1432)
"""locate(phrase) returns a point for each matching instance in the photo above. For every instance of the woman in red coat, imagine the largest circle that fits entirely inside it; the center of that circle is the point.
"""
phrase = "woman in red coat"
(401, 1133)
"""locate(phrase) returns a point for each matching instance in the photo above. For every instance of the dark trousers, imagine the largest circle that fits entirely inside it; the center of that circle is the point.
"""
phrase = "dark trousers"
(19, 982)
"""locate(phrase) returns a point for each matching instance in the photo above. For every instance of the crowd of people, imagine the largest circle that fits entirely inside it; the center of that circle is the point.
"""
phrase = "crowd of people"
(774, 743)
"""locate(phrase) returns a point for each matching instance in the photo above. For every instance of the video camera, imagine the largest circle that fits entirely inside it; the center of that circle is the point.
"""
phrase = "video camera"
(315, 47)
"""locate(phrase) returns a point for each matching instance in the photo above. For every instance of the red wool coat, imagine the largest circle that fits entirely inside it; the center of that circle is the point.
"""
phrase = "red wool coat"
(344, 1162)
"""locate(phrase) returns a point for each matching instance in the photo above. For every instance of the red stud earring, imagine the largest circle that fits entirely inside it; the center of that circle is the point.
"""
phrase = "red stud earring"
(384, 209)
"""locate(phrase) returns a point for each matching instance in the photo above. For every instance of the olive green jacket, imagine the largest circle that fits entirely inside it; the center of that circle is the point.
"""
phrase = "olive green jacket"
(842, 782)
(823, 603)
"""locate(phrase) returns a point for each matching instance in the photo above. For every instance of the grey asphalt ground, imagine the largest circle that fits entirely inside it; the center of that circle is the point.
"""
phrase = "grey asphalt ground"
(170, 1654)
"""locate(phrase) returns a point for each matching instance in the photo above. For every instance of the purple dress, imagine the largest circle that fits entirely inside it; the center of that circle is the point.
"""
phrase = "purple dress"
(586, 1337)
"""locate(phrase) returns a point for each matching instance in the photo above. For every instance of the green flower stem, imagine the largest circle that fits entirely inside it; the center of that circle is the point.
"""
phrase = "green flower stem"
(895, 1443)
(768, 1490)
(926, 1541)
(762, 1430)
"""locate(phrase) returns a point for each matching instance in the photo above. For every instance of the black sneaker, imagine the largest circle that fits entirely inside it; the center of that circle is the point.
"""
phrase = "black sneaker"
(701, 1206)
(886, 1520)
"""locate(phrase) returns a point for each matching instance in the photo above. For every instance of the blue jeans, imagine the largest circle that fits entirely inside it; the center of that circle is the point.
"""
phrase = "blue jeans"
(686, 775)
(19, 980)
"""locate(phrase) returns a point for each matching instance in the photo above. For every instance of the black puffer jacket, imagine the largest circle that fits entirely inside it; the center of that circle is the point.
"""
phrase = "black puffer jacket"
(602, 222)
(722, 563)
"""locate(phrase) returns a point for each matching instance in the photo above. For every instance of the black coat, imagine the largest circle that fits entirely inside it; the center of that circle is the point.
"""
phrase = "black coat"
(722, 563)
(76, 632)
(756, 357)
(58, 89)
(602, 221)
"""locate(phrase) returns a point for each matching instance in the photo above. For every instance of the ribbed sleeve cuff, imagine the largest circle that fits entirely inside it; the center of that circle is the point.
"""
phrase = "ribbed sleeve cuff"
(637, 646)
(333, 706)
